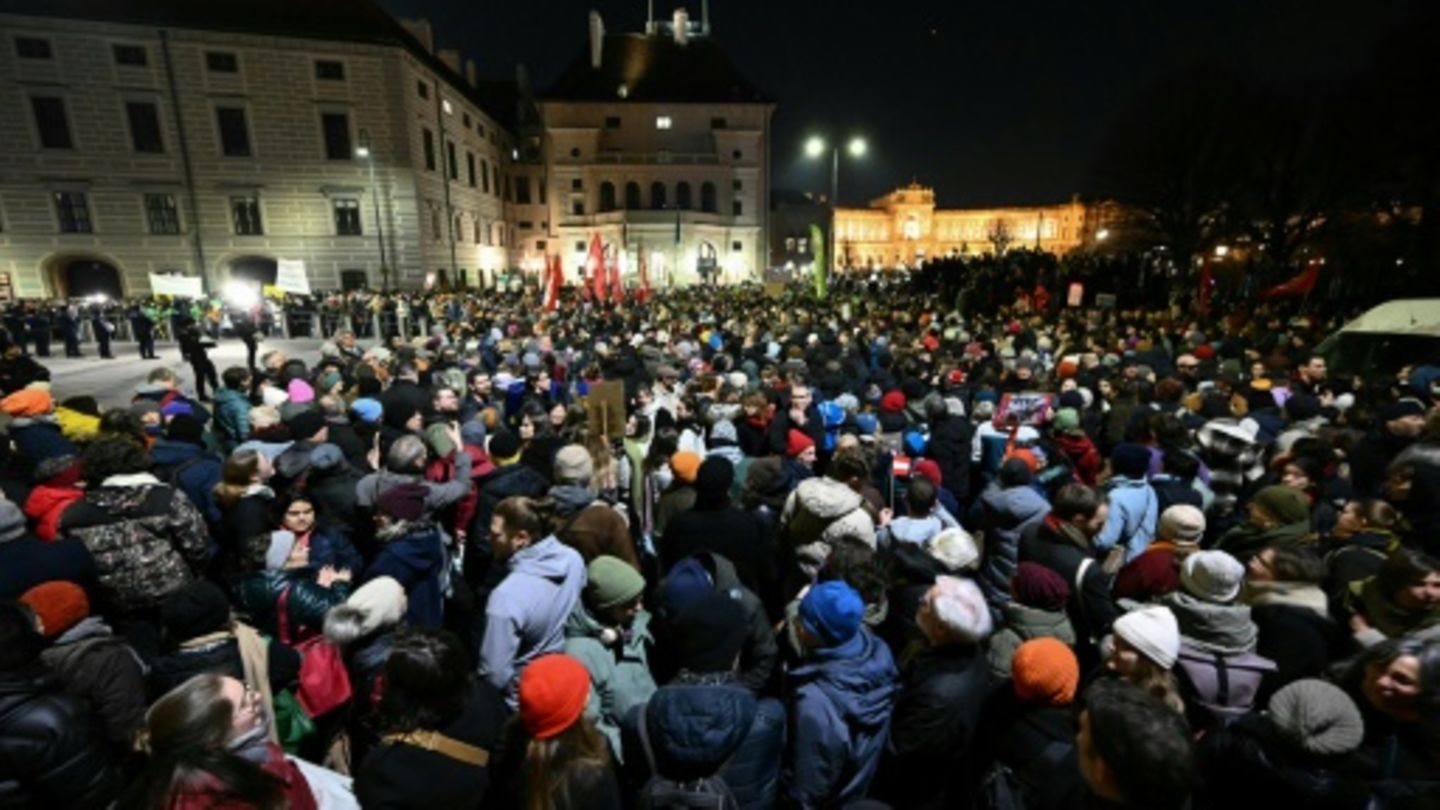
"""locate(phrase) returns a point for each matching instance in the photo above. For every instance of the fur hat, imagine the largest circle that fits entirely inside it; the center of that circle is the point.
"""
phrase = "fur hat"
(381, 602)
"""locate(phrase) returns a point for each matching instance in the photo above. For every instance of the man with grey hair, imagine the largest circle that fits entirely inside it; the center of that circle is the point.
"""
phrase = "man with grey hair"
(342, 434)
(405, 464)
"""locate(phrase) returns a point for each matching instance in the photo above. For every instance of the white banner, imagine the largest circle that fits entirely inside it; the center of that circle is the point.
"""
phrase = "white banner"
(290, 276)
(185, 286)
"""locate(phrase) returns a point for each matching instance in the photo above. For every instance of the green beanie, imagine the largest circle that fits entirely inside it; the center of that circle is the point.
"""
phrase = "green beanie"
(1067, 420)
(612, 581)
(1285, 504)
(439, 440)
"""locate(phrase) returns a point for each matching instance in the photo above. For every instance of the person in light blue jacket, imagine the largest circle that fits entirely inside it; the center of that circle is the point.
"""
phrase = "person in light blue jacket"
(1134, 506)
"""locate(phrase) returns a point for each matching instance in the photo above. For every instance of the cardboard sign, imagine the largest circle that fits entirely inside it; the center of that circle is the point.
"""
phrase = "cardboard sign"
(775, 289)
(605, 408)
(1105, 300)
(290, 276)
(1030, 407)
(1076, 295)
(179, 286)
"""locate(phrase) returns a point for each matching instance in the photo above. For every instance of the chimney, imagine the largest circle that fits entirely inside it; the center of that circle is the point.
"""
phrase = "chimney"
(682, 26)
(420, 29)
(597, 38)
(470, 72)
(450, 57)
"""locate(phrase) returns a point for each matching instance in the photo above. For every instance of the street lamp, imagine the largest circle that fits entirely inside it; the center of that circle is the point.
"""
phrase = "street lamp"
(815, 148)
(362, 152)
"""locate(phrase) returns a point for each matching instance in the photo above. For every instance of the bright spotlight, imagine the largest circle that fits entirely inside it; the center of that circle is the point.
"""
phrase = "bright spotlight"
(241, 294)
(858, 147)
(815, 147)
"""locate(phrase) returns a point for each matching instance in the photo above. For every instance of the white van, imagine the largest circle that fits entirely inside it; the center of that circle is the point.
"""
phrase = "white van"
(1386, 338)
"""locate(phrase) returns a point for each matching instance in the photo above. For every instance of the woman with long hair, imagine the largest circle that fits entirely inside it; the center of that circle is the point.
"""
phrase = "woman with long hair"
(1365, 533)
(1143, 651)
(246, 501)
(208, 745)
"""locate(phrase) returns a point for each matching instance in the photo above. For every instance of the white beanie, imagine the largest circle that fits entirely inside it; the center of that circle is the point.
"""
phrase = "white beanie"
(1214, 576)
(955, 549)
(272, 396)
(1153, 632)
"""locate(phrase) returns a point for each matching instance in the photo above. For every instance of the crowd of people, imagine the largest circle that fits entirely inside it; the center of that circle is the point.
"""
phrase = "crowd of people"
(727, 548)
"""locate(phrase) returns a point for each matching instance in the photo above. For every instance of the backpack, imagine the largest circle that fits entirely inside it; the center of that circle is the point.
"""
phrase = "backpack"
(660, 793)
(1002, 789)
(1220, 686)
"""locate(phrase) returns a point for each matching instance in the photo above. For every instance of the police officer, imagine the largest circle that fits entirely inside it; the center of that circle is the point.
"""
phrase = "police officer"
(100, 323)
(37, 321)
(69, 321)
(144, 328)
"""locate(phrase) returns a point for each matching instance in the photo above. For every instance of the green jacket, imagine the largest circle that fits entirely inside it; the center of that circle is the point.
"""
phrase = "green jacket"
(1022, 624)
(619, 674)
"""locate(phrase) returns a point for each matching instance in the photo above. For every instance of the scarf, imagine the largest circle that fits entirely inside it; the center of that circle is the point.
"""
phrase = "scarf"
(1386, 616)
(1247, 539)
(1306, 595)
(1068, 532)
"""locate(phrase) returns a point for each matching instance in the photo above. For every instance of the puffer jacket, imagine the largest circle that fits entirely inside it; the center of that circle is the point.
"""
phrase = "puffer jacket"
(1134, 511)
(76, 425)
(619, 672)
(1261, 769)
(45, 505)
(704, 725)
(413, 553)
(259, 593)
(97, 666)
(37, 439)
(818, 514)
(51, 754)
(192, 470)
(232, 418)
(1004, 515)
(147, 539)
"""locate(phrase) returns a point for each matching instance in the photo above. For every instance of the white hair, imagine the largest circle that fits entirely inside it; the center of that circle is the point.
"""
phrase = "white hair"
(959, 610)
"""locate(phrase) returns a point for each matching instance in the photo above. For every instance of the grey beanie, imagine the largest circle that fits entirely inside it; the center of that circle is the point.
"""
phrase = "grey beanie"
(326, 457)
(1318, 717)
(724, 430)
(12, 521)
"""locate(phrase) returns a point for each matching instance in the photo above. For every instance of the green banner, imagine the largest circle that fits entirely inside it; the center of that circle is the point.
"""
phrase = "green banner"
(817, 244)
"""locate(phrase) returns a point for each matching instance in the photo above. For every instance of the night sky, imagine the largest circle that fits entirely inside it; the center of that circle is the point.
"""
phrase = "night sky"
(989, 102)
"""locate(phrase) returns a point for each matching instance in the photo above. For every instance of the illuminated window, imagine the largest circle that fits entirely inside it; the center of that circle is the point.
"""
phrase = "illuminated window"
(662, 122)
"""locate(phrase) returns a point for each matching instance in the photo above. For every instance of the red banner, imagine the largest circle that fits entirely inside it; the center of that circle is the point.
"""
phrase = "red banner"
(553, 278)
(1301, 284)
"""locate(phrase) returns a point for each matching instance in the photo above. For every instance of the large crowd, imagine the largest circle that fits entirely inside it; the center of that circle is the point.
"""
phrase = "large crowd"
(731, 548)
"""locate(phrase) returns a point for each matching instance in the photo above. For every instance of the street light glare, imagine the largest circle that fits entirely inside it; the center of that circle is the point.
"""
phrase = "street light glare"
(815, 147)
(858, 147)
(362, 152)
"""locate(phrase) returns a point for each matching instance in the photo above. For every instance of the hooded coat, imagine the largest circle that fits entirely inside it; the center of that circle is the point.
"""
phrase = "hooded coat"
(819, 513)
(1005, 515)
(1134, 512)
(591, 527)
(1020, 624)
(99, 667)
(525, 617)
(193, 471)
(232, 418)
(413, 553)
(619, 669)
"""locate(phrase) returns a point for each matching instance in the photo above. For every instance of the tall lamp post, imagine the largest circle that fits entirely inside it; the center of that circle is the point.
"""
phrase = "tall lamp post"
(814, 149)
(363, 152)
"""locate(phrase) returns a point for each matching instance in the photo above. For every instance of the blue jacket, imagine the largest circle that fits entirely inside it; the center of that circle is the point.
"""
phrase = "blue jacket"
(232, 417)
(198, 473)
(38, 439)
(1134, 510)
(333, 547)
(840, 709)
(413, 555)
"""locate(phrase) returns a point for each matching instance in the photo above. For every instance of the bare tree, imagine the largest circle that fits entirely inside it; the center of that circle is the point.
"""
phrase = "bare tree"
(1000, 235)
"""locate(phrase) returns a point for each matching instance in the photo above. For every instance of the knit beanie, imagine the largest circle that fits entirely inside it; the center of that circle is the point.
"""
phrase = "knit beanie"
(831, 611)
(710, 632)
(195, 609)
(1317, 717)
(611, 581)
(58, 471)
(367, 410)
(1045, 671)
(1181, 524)
(553, 692)
(504, 448)
(186, 428)
(685, 465)
(326, 457)
(955, 549)
(723, 432)
(329, 380)
(893, 402)
(1153, 632)
(1130, 460)
(1150, 575)
(1067, 420)
(305, 424)
(1285, 504)
(713, 480)
(687, 581)
(573, 463)
(1214, 576)
(797, 442)
(12, 521)
(300, 391)
(928, 469)
(59, 606)
(403, 501)
(1039, 587)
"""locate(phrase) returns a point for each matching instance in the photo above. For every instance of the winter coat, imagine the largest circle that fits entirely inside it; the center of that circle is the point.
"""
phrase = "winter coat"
(818, 514)
(396, 774)
(1386, 617)
(703, 725)
(1251, 766)
(1038, 746)
(147, 539)
(619, 671)
(1246, 540)
(526, 614)
(258, 594)
(760, 655)
(1022, 623)
(937, 712)
(677, 499)
(1134, 511)
(729, 532)
(1294, 628)
(591, 527)
(52, 752)
(27, 561)
(1359, 556)
(193, 471)
(413, 554)
(950, 447)
(368, 491)
(45, 505)
(209, 794)
(249, 520)
(1091, 609)
(232, 418)
(919, 530)
(1004, 516)
(505, 482)
(219, 654)
(1219, 674)
(98, 667)
(37, 439)
(1084, 458)
(840, 705)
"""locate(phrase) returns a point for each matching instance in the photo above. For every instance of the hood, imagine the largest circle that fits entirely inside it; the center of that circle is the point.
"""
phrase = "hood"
(695, 729)
(1029, 622)
(826, 498)
(570, 498)
(915, 530)
(44, 498)
(858, 677)
(729, 452)
(295, 460)
(1304, 595)
(170, 453)
(1208, 626)
(548, 559)
(1019, 503)
(268, 449)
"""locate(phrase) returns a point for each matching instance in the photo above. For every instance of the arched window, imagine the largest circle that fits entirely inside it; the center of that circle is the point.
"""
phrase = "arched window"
(682, 195)
(607, 196)
(632, 196)
(707, 197)
(657, 194)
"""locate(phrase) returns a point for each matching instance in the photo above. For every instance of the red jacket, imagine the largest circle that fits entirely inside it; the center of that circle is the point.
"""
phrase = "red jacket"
(46, 504)
(1083, 456)
(442, 469)
(206, 794)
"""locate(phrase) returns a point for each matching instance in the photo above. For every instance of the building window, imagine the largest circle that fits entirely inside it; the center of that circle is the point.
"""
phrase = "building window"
(737, 184)
(144, 121)
(475, 231)
(736, 154)
(717, 123)
(575, 152)
(51, 122)
(485, 175)
(522, 190)
(131, 55)
(32, 48)
(612, 122)
(525, 225)
(663, 122)
(450, 162)
(457, 228)
(161, 214)
(422, 89)
(435, 225)
(329, 70)
(470, 168)
(347, 217)
(539, 244)
(222, 62)
(632, 196)
(540, 187)
(495, 175)
(480, 128)
(336, 127)
(507, 196)
(234, 135)
(428, 138)
(789, 244)
(607, 196)
(245, 213)
(657, 195)
(72, 208)
(682, 195)
(465, 120)
(803, 244)
(737, 208)
(737, 246)
(577, 184)
(579, 247)
(577, 207)
(707, 198)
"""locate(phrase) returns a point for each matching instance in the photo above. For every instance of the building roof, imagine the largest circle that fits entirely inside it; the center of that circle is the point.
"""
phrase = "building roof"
(359, 21)
(655, 69)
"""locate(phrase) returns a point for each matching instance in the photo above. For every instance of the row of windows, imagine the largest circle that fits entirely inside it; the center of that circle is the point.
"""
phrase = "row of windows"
(134, 55)
(162, 215)
(661, 122)
(582, 247)
(422, 89)
(482, 232)
(659, 197)
(487, 177)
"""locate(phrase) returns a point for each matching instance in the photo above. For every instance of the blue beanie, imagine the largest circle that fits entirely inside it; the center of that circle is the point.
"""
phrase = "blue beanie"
(688, 580)
(915, 443)
(867, 424)
(1130, 460)
(369, 410)
(831, 611)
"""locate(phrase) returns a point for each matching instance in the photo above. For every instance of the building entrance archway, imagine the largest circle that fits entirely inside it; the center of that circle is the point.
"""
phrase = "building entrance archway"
(259, 269)
(82, 275)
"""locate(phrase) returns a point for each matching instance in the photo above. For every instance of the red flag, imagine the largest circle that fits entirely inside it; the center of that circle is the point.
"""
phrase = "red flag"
(595, 267)
(617, 290)
(644, 278)
(553, 278)
(1202, 302)
(1301, 284)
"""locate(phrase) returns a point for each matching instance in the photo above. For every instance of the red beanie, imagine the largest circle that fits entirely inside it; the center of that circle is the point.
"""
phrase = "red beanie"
(929, 469)
(553, 692)
(1204, 352)
(1067, 369)
(797, 443)
(58, 605)
(1026, 455)
(893, 401)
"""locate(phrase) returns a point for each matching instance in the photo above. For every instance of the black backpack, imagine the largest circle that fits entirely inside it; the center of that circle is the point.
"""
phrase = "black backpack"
(1003, 789)
(660, 793)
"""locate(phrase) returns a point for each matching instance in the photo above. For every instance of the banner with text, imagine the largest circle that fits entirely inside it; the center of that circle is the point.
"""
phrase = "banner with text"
(290, 276)
(181, 286)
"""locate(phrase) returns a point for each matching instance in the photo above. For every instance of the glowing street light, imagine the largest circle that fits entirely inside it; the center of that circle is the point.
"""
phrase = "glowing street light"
(815, 147)
(857, 147)
(1102, 234)
(1221, 251)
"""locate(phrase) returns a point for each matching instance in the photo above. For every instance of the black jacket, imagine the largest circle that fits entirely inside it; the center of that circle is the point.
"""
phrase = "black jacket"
(258, 594)
(949, 446)
(28, 561)
(1091, 608)
(1038, 745)
(1246, 765)
(729, 532)
(1300, 641)
(760, 656)
(97, 666)
(221, 657)
(52, 752)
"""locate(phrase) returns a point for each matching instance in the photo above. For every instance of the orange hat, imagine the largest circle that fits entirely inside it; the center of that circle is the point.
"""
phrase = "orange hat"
(686, 465)
(553, 692)
(1067, 369)
(59, 606)
(27, 402)
(1044, 670)
(797, 442)
(1026, 455)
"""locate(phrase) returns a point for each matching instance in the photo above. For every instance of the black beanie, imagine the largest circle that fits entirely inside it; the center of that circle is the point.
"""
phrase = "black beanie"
(305, 424)
(711, 631)
(194, 610)
(713, 481)
(185, 428)
(368, 386)
(504, 445)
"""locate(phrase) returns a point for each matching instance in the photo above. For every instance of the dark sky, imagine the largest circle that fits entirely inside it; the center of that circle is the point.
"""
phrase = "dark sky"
(989, 102)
